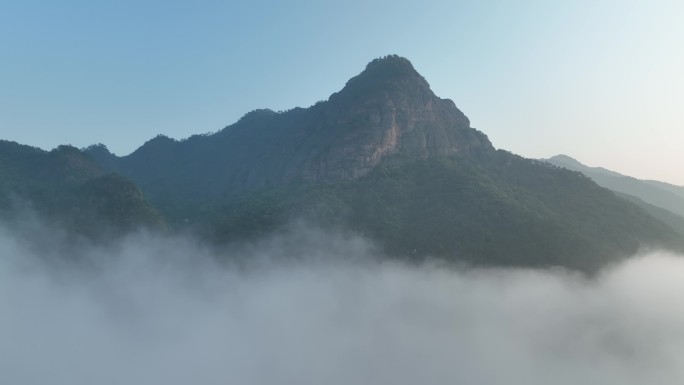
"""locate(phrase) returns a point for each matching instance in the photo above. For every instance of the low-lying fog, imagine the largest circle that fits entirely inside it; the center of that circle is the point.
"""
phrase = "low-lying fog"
(150, 310)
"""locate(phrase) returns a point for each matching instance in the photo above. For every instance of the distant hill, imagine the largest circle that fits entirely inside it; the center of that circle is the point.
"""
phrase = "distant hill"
(664, 195)
(66, 187)
(387, 158)
(673, 220)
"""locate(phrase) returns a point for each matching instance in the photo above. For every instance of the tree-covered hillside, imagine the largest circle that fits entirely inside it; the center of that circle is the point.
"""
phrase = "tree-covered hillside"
(69, 190)
(499, 209)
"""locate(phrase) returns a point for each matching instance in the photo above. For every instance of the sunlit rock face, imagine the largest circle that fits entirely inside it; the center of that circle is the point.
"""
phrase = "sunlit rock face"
(389, 108)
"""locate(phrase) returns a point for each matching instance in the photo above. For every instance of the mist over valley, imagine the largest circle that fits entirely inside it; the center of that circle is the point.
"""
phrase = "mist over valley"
(312, 307)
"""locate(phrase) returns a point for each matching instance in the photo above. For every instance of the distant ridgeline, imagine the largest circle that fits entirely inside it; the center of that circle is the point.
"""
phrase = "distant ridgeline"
(662, 200)
(384, 157)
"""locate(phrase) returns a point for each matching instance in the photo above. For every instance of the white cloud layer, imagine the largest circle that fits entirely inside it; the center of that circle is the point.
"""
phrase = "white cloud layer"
(311, 308)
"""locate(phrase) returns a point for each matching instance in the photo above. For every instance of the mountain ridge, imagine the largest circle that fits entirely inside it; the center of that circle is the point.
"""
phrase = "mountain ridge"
(661, 194)
(387, 109)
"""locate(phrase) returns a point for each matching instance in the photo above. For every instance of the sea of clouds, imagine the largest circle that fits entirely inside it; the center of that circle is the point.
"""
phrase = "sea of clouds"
(309, 307)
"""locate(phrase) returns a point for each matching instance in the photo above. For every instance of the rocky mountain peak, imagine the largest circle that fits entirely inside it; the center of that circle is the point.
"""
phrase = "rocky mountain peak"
(401, 114)
(386, 111)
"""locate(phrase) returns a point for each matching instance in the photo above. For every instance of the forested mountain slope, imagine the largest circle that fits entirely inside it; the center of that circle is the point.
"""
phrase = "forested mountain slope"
(67, 188)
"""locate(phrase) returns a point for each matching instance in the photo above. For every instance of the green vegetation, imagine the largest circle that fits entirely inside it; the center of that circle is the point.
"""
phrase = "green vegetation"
(500, 209)
(492, 209)
(66, 188)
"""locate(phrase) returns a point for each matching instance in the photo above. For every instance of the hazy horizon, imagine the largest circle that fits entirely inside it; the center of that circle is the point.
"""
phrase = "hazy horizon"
(600, 82)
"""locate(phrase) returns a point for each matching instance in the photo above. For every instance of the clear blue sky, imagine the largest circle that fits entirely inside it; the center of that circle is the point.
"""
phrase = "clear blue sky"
(602, 81)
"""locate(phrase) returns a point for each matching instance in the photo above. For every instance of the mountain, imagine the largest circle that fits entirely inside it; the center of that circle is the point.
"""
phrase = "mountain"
(664, 195)
(387, 158)
(383, 157)
(67, 188)
(388, 109)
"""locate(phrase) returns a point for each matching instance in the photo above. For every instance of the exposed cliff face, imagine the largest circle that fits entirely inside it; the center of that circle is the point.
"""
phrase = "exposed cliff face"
(386, 110)
(389, 108)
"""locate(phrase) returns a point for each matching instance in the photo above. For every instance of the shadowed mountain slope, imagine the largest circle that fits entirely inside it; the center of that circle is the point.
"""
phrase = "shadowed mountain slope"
(388, 109)
(500, 210)
(66, 187)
